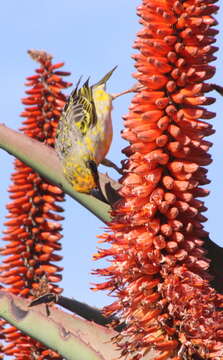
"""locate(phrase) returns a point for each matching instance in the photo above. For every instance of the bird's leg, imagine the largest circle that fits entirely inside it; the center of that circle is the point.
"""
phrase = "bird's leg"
(136, 87)
(109, 163)
(218, 88)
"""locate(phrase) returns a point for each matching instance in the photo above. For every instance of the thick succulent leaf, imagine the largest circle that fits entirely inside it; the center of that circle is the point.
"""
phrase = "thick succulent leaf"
(71, 336)
(44, 160)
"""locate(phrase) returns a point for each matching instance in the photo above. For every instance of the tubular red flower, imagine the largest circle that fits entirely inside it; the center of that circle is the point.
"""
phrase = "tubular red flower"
(158, 269)
(33, 223)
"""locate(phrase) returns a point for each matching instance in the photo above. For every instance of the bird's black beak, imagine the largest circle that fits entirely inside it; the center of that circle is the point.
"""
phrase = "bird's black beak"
(94, 169)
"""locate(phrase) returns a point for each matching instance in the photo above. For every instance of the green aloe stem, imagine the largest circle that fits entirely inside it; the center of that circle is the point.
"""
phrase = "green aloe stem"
(44, 161)
(71, 336)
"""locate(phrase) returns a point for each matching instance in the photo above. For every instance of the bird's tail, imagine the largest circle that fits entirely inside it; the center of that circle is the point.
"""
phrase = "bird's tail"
(105, 78)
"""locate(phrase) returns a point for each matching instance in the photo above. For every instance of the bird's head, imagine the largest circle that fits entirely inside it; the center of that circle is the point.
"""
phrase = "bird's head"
(81, 174)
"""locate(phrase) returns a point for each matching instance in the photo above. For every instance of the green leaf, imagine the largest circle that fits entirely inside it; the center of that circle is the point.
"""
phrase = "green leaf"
(71, 336)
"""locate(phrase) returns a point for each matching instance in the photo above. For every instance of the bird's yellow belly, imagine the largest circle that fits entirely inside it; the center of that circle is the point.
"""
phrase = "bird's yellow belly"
(103, 142)
(102, 133)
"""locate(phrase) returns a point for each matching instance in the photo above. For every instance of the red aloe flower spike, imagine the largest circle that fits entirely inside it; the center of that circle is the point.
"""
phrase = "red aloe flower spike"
(158, 270)
(33, 222)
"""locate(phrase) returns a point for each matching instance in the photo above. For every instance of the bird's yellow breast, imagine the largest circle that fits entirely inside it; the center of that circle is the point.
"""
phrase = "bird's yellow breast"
(100, 95)
(103, 130)
(102, 102)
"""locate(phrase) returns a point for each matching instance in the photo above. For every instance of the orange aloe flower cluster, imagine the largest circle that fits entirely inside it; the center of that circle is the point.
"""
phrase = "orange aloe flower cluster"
(33, 227)
(158, 270)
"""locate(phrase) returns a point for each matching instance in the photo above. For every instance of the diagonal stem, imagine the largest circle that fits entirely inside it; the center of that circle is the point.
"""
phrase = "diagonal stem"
(44, 160)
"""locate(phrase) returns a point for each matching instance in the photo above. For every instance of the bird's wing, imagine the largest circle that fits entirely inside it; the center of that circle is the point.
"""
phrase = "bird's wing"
(80, 109)
(79, 115)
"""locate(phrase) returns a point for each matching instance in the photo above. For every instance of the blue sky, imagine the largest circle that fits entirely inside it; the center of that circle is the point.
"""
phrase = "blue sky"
(91, 37)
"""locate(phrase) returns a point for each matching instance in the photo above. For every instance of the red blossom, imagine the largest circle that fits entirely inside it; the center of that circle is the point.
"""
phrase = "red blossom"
(33, 229)
(158, 267)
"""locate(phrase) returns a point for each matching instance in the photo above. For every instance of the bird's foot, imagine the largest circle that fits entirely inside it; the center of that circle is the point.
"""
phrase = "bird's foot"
(109, 163)
(218, 88)
(135, 88)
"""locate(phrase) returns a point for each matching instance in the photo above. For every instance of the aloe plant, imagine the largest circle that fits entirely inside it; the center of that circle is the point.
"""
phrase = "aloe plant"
(167, 295)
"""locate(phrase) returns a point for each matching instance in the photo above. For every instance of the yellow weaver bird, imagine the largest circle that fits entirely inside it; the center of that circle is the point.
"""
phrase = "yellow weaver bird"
(84, 133)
